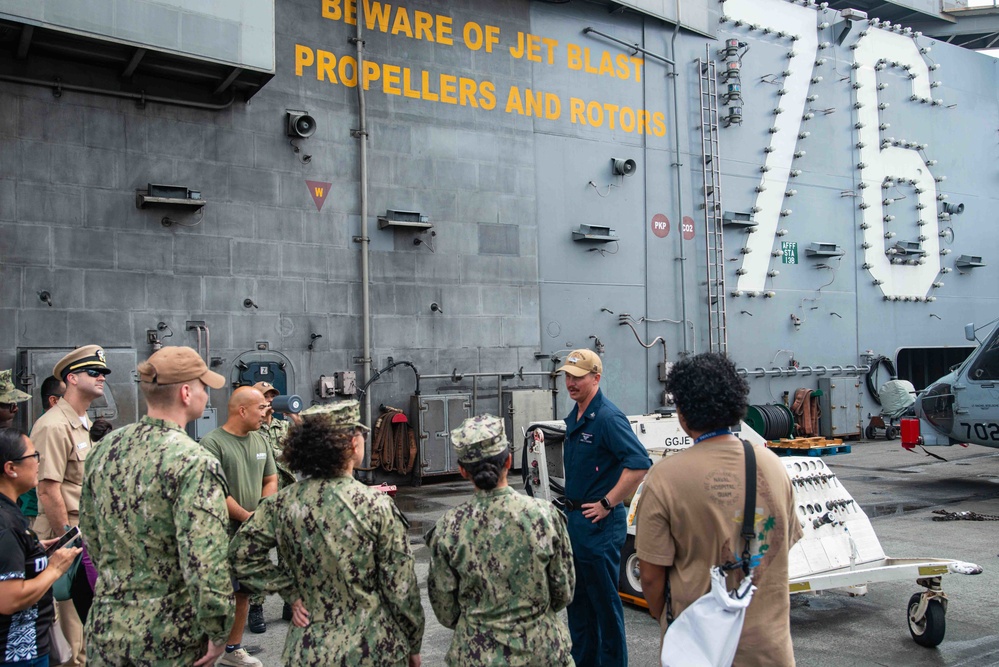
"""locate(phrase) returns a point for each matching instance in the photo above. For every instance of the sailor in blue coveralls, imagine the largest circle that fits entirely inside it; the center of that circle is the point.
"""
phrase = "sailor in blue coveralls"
(604, 464)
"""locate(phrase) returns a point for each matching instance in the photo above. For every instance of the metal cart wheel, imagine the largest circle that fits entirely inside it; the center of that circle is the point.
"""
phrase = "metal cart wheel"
(870, 432)
(630, 582)
(929, 630)
(890, 432)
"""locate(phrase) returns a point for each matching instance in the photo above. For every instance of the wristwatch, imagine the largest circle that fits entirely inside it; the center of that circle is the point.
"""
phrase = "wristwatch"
(606, 504)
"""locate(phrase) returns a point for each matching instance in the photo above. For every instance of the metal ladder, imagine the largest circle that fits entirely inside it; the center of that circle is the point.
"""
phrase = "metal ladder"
(711, 172)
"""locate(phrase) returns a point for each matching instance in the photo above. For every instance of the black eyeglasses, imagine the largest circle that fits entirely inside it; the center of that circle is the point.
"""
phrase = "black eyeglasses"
(35, 456)
(9, 407)
(93, 372)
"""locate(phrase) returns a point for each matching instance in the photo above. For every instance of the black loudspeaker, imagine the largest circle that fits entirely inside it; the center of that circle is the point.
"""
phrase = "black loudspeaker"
(301, 124)
(288, 404)
(623, 167)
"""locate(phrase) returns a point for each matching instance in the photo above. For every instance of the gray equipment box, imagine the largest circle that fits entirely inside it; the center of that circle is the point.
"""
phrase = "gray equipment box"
(840, 404)
(521, 408)
(435, 417)
(204, 424)
(120, 404)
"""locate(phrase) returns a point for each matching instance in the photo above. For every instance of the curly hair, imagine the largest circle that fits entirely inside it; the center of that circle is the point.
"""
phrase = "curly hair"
(708, 392)
(316, 449)
(486, 473)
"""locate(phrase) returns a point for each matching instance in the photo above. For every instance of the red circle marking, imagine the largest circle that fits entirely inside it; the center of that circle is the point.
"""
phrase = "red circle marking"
(687, 228)
(660, 225)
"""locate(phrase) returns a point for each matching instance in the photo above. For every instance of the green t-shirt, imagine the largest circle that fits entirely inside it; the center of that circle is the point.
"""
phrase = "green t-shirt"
(245, 461)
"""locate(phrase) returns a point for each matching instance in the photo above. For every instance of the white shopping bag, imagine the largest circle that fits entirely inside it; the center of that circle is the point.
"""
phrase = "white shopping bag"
(707, 633)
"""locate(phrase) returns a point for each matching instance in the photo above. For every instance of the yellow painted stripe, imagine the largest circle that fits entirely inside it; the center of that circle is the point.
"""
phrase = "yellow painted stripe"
(930, 570)
(800, 587)
(633, 600)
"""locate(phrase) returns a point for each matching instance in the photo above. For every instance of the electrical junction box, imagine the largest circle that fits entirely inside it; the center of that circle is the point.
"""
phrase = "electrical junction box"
(327, 387)
(840, 406)
(345, 383)
(201, 426)
(521, 408)
(436, 416)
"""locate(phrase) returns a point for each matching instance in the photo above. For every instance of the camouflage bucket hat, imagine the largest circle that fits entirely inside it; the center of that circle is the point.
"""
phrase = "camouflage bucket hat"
(478, 438)
(344, 414)
(8, 392)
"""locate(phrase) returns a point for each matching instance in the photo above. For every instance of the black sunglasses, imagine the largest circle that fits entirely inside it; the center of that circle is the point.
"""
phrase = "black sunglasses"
(35, 456)
(93, 372)
(9, 407)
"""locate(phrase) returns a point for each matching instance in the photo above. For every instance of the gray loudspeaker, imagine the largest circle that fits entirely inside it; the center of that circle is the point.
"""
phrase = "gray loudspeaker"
(623, 167)
(301, 124)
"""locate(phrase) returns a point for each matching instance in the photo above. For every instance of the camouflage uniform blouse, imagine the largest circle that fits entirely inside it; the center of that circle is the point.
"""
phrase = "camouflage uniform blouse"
(346, 555)
(274, 433)
(153, 515)
(501, 568)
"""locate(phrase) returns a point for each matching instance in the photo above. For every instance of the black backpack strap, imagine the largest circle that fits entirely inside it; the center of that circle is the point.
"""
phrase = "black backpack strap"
(748, 531)
(749, 510)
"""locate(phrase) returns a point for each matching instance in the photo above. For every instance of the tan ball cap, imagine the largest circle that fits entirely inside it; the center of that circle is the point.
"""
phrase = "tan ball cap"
(581, 362)
(175, 364)
(80, 359)
(266, 388)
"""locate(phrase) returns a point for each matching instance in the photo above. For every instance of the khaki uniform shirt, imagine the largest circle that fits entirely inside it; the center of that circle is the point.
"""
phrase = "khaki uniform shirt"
(501, 570)
(154, 518)
(689, 518)
(345, 553)
(63, 442)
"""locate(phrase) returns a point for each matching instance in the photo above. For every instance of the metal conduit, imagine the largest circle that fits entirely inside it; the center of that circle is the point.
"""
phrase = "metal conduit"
(803, 370)
(58, 86)
(362, 135)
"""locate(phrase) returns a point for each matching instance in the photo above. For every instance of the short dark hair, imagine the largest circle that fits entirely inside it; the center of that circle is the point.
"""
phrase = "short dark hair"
(100, 428)
(486, 473)
(317, 449)
(50, 387)
(708, 392)
(13, 444)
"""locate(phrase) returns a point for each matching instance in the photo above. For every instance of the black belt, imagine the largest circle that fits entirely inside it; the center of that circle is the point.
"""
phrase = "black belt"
(572, 505)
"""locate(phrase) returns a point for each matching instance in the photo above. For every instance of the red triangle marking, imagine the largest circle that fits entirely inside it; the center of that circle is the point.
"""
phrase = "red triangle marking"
(319, 192)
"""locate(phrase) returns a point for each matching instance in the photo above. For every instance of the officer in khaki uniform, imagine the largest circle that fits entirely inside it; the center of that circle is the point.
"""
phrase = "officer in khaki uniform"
(62, 438)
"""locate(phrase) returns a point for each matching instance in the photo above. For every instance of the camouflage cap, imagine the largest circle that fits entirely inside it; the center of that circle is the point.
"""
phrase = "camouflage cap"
(343, 414)
(478, 438)
(8, 392)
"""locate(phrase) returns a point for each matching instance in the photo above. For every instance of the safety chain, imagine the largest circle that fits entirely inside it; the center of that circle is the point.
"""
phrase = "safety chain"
(963, 516)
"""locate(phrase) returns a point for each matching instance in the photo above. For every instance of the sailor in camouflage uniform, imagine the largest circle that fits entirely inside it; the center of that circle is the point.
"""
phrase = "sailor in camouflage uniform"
(501, 563)
(154, 518)
(274, 431)
(347, 567)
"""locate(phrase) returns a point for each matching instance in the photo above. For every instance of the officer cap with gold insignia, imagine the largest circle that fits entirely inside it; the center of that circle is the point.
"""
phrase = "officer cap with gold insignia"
(80, 359)
(8, 392)
(342, 414)
(479, 438)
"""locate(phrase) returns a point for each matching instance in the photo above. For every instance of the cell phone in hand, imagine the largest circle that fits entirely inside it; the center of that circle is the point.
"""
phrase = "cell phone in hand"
(71, 535)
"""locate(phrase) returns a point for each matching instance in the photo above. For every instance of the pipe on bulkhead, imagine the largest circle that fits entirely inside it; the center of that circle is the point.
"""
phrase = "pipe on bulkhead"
(362, 135)
(679, 177)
